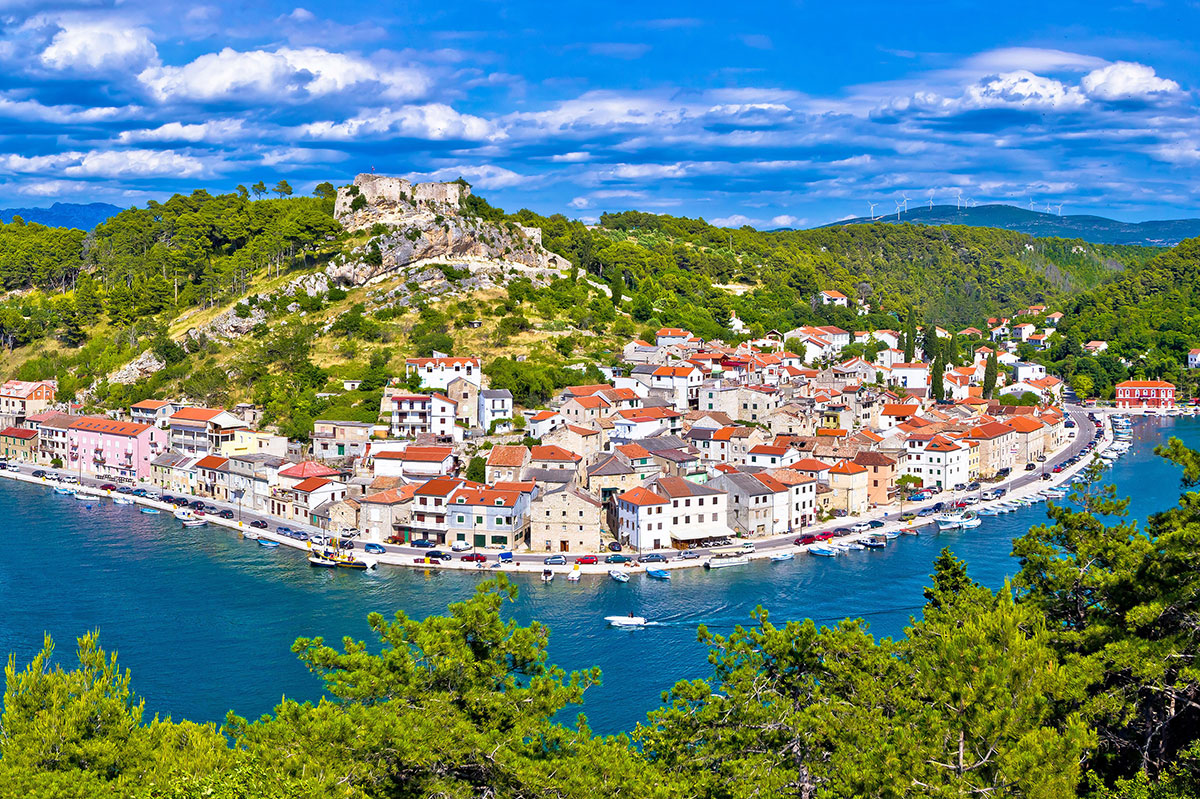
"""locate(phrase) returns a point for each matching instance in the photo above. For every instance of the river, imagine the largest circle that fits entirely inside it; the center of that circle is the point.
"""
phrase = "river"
(205, 620)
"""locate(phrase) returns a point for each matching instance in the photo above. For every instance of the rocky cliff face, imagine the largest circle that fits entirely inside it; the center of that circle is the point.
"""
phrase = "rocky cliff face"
(424, 222)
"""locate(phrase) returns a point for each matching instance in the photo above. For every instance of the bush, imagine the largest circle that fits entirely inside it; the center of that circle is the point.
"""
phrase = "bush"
(336, 294)
(358, 203)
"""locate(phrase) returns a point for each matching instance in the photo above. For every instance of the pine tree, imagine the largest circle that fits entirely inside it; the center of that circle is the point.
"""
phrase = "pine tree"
(939, 387)
(989, 375)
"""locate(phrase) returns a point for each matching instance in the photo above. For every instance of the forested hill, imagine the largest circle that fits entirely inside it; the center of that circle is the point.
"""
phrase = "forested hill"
(83, 216)
(955, 275)
(1096, 229)
(1148, 316)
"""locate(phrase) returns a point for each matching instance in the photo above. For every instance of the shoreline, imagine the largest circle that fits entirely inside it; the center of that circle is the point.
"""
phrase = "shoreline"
(764, 548)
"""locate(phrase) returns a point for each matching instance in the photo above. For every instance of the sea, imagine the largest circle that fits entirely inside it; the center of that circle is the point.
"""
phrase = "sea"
(205, 620)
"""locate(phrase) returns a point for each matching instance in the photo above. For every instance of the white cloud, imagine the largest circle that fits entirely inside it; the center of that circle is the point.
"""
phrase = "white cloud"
(33, 111)
(736, 220)
(648, 171)
(1036, 59)
(137, 163)
(99, 46)
(1180, 152)
(1125, 80)
(284, 74)
(297, 156)
(570, 158)
(787, 220)
(580, 202)
(1025, 89)
(483, 177)
(218, 130)
(435, 121)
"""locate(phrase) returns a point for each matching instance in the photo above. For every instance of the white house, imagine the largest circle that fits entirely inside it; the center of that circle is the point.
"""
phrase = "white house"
(671, 512)
(1194, 359)
(1025, 370)
(672, 335)
(910, 375)
(413, 414)
(495, 405)
(833, 298)
(936, 460)
(542, 422)
(683, 383)
(438, 372)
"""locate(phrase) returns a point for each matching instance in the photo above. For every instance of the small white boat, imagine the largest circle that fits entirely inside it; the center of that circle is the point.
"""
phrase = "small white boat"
(121, 499)
(86, 497)
(823, 551)
(547, 576)
(573, 575)
(63, 490)
(184, 514)
(250, 535)
(194, 523)
(619, 576)
(951, 521)
(721, 561)
(779, 557)
(626, 621)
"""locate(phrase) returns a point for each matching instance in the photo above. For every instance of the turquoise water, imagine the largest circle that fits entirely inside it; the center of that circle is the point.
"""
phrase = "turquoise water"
(205, 621)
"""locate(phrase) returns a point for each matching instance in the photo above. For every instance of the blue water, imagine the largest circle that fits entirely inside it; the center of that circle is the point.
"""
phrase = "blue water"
(205, 621)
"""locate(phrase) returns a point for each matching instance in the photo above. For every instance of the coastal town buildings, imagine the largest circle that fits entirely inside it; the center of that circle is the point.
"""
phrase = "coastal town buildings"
(1145, 394)
(20, 399)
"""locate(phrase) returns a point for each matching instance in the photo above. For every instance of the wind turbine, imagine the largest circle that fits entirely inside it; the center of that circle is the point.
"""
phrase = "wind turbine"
(931, 199)
(905, 198)
(872, 209)
(1030, 203)
(958, 199)
(897, 210)
(1060, 205)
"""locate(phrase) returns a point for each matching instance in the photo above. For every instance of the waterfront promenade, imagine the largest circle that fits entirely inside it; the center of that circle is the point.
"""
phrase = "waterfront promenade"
(1019, 485)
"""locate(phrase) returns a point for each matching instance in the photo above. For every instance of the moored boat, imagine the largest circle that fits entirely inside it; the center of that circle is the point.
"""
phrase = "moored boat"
(619, 576)
(250, 535)
(184, 514)
(350, 563)
(956, 521)
(121, 499)
(722, 561)
(573, 575)
(86, 497)
(823, 552)
(63, 490)
(193, 523)
(150, 511)
(318, 560)
(658, 574)
(779, 557)
(268, 543)
(547, 576)
(875, 542)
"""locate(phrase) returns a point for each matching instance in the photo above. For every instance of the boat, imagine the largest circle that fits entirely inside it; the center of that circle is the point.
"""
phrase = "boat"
(824, 552)
(268, 543)
(909, 531)
(619, 576)
(194, 522)
(318, 560)
(893, 534)
(184, 514)
(722, 561)
(658, 574)
(121, 499)
(573, 575)
(86, 497)
(350, 563)
(626, 621)
(547, 576)
(63, 490)
(875, 542)
(779, 557)
(250, 535)
(149, 510)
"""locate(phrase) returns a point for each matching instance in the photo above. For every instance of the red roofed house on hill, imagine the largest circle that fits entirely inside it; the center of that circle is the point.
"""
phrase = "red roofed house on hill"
(101, 447)
(152, 411)
(1145, 395)
(20, 399)
(439, 372)
(202, 431)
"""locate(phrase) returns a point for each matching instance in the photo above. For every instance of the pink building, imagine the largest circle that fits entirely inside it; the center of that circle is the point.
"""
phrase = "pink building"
(106, 448)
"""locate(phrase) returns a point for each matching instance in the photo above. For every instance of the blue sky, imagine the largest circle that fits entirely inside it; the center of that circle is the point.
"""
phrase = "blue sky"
(769, 114)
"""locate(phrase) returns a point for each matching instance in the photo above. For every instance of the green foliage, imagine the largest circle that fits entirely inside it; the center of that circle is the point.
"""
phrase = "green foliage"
(477, 470)
(990, 373)
(533, 384)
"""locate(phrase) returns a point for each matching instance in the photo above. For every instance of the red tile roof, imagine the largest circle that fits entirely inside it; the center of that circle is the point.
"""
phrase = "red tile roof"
(211, 462)
(99, 424)
(549, 452)
(311, 484)
(196, 414)
(18, 432)
(641, 497)
(308, 469)
(508, 455)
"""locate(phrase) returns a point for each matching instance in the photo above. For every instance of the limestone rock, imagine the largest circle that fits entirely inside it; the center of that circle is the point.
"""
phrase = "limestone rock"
(140, 367)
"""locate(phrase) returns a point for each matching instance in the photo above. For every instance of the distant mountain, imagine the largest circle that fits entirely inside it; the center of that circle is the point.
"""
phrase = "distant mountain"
(84, 216)
(1096, 229)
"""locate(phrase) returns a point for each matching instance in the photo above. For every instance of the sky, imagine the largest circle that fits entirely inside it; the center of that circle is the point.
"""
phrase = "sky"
(776, 114)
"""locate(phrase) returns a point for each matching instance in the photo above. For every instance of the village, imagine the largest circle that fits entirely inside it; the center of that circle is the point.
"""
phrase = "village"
(689, 444)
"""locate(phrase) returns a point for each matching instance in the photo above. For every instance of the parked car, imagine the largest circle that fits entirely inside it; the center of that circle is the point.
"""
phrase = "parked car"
(258, 524)
(225, 514)
(437, 554)
(504, 557)
(39, 473)
(460, 546)
(423, 543)
(973, 486)
(140, 492)
(748, 546)
(618, 559)
(555, 560)
(960, 486)
(284, 531)
(373, 549)
(474, 557)
(875, 524)
(689, 554)
(841, 531)
(1046, 476)
(825, 536)
(805, 540)
(907, 517)
(861, 527)
(319, 540)
(108, 487)
(924, 512)
(13, 467)
(652, 557)
(587, 560)
(614, 546)
(70, 478)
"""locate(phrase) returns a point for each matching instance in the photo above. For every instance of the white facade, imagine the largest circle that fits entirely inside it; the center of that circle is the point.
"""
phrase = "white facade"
(423, 413)
(438, 372)
(937, 461)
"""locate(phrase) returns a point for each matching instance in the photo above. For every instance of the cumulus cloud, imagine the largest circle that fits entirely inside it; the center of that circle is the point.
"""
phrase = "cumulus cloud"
(483, 177)
(434, 122)
(1126, 80)
(218, 130)
(787, 220)
(734, 220)
(1023, 89)
(286, 74)
(580, 202)
(99, 46)
(137, 163)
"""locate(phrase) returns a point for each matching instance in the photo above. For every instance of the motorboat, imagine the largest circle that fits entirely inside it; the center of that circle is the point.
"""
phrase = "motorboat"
(193, 523)
(780, 557)
(908, 531)
(268, 543)
(875, 542)
(573, 575)
(86, 497)
(121, 499)
(250, 535)
(151, 511)
(318, 560)
(722, 561)
(63, 490)
(956, 521)
(184, 514)
(893, 534)
(988, 512)
(823, 552)
(619, 576)
(547, 576)
(350, 563)
(658, 574)
(626, 621)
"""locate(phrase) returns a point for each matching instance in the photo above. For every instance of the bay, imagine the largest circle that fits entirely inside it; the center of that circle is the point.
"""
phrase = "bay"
(205, 621)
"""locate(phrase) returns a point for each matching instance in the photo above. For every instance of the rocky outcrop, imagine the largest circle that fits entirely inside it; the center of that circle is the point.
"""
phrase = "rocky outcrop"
(139, 368)
(425, 223)
(226, 326)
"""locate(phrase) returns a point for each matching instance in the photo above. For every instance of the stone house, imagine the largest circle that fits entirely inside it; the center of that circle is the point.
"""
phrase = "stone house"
(566, 520)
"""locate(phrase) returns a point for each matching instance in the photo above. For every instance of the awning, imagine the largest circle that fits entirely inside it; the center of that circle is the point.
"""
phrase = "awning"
(697, 536)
